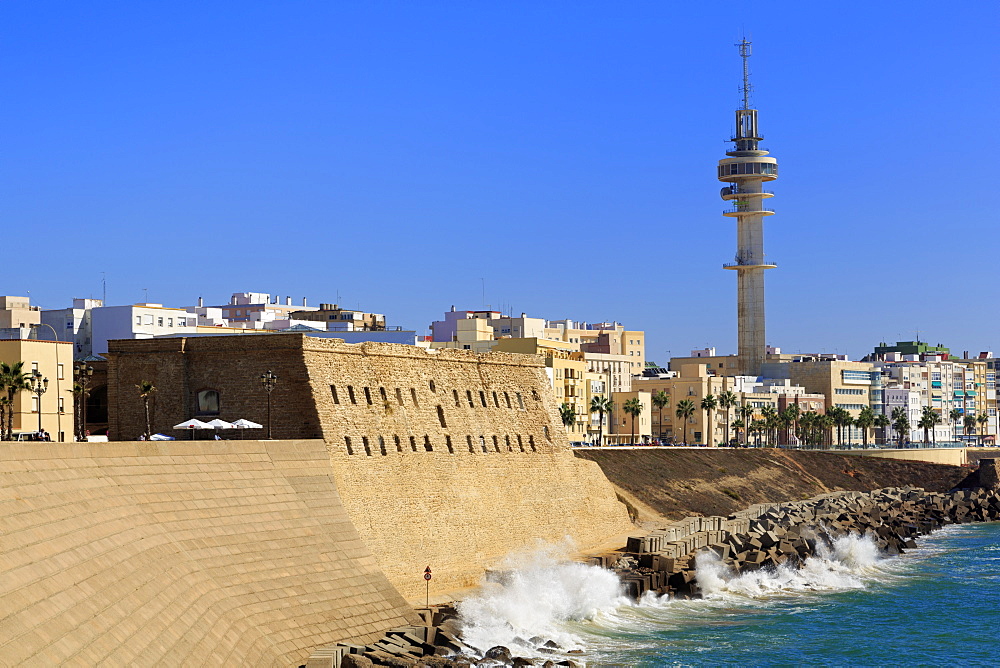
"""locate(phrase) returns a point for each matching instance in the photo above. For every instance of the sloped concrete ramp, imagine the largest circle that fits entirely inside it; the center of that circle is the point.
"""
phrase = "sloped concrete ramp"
(180, 553)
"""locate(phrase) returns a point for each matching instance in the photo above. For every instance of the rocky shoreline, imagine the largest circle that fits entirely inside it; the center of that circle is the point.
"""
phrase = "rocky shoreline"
(663, 561)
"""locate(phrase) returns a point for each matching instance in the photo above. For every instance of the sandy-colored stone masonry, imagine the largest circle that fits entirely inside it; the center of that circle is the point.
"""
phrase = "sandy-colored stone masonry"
(445, 458)
(183, 553)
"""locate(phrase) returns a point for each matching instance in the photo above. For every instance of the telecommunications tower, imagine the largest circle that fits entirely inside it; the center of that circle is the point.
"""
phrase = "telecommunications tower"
(746, 169)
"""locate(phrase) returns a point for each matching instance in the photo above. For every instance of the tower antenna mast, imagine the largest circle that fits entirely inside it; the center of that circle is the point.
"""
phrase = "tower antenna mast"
(747, 86)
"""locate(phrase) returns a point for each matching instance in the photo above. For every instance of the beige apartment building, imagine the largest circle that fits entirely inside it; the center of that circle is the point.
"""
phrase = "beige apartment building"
(623, 428)
(566, 369)
(54, 361)
(17, 312)
(695, 381)
(603, 338)
(336, 318)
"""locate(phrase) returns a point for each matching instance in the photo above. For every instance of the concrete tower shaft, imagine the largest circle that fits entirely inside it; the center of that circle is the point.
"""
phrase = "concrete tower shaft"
(746, 171)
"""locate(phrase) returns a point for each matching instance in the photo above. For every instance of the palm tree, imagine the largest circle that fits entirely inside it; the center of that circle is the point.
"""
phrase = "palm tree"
(792, 413)
(661, 399)
(737, 425)
(146, 390)
(982, 419)
(956, 417)
(827, 422)
(4, 402)
(727, 400)
(843, 419)
(567, 414)
(633, 407)
(969, 421)
(13, 379)
(685, 409)
(768, 415)
(746, 412)
(601, 405)
(881, 422)
(708, 404)
(785, 421)
(806, 427)
(900, 423)
(928, 420)
(865, 420)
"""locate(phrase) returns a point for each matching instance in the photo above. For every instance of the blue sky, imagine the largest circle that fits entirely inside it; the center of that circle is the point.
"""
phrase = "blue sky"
(397, 153)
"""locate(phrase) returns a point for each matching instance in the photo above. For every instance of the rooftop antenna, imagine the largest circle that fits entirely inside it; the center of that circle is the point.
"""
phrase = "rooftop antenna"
(104, 286)
(747, 87)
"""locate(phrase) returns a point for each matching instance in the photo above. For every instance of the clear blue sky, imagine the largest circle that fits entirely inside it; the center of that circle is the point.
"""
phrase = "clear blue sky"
(397, 153)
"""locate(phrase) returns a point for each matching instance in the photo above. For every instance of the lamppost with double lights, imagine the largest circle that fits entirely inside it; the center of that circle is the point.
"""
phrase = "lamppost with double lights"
(268, 379)
(38, 385)
(83, 373)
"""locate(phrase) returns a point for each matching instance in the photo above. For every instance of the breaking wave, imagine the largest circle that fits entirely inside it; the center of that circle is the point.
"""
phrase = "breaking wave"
(532, 596)
(540, 595)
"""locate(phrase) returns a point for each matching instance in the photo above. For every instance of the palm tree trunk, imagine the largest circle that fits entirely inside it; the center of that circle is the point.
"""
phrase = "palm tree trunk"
(145, 405)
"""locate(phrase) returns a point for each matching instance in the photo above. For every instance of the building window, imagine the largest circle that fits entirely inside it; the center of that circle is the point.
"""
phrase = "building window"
(34, 403)
(208, 402)
(138, 319)
(34, 366)
(62, 408)
(170, 322)
(368, 395)
(59, 372)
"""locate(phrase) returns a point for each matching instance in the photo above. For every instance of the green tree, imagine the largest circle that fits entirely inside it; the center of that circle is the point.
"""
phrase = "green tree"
(727, 400)
(807, 427)
(844, 419)
(661, 400)
(901, 423)
(928, 420)
(708, 404)
(601, 405)
(746, 412)
(738, 424)
(827, 422)
(13, 379)
(882, 422)
(684, 410)
(865, 421)
(983, 420)
(633, 407)
(567, 414)
(969, 422)
(146, 391)
(956, 419)
(768, 416)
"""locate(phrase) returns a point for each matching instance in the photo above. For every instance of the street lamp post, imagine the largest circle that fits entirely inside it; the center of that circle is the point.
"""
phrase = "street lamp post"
(83, 373)
(268, 379)
(55, 335)
(38, 385)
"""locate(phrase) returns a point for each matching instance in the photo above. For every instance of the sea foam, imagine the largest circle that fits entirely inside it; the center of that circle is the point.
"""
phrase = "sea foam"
(533, 595)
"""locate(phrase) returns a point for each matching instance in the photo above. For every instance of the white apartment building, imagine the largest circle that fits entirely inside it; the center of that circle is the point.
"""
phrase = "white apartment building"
(74, 324)
(138, 321)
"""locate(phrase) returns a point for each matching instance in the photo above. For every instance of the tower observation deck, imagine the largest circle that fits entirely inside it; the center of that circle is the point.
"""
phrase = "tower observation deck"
(746, 170)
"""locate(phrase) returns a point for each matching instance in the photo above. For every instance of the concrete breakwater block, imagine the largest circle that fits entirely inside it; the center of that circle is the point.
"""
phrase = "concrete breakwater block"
(766, 535)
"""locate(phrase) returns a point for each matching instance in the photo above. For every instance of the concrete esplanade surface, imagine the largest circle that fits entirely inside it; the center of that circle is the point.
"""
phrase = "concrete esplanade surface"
(256, 552)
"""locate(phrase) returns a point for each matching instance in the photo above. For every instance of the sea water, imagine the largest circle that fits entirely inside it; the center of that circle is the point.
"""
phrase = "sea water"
(938, 604)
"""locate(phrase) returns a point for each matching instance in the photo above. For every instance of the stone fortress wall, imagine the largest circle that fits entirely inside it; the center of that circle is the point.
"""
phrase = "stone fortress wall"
(181, 553)
(447, 458)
